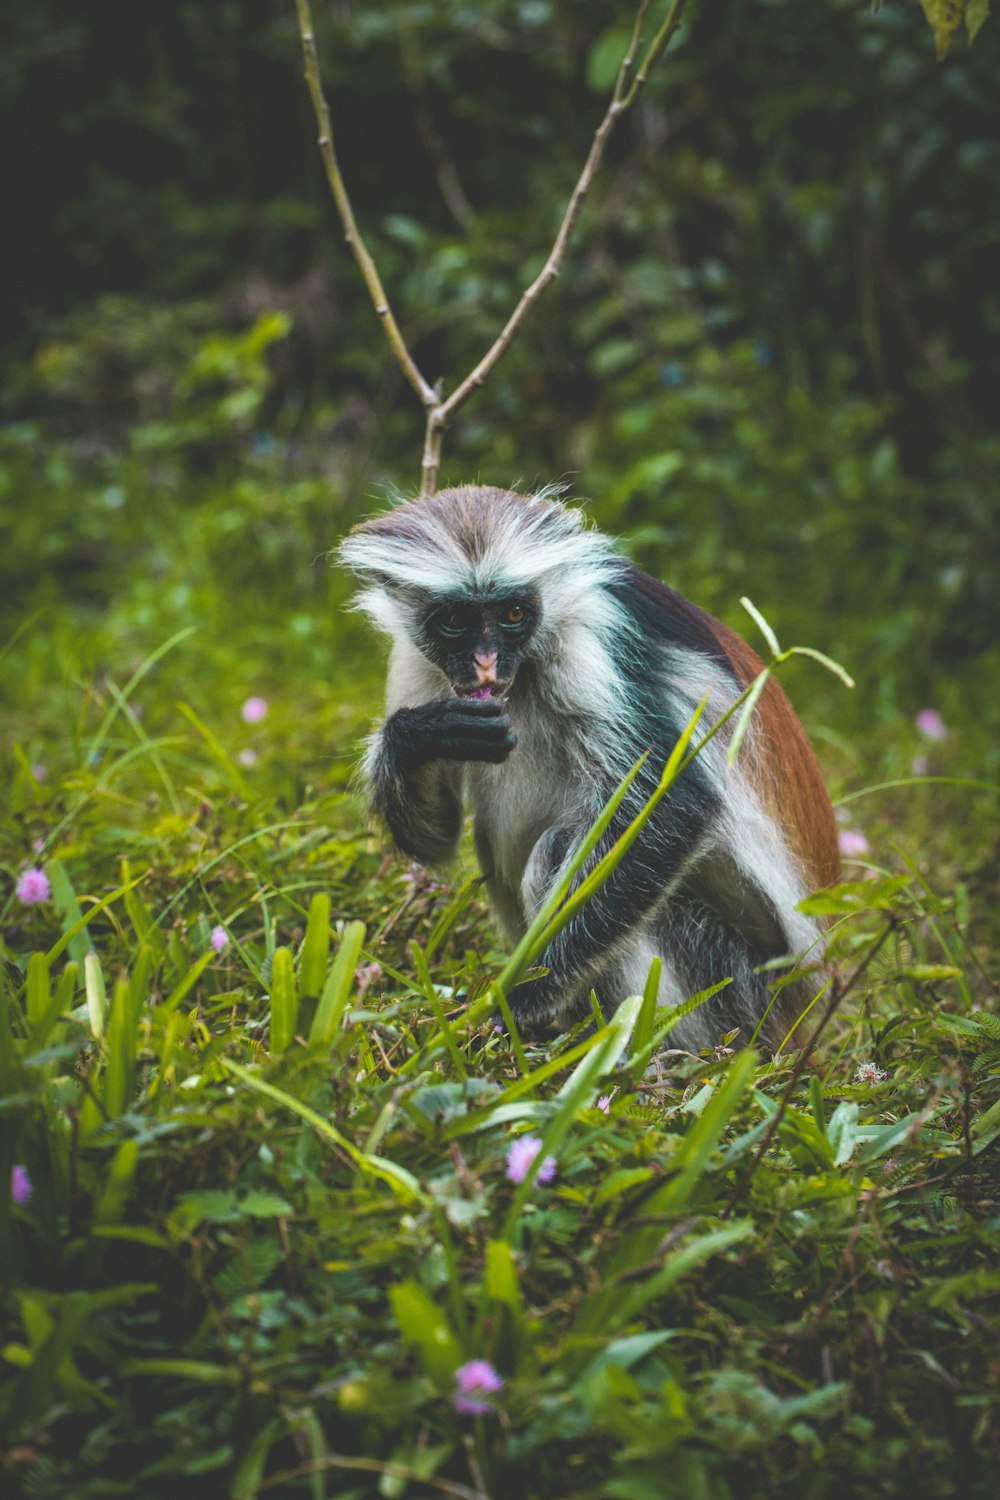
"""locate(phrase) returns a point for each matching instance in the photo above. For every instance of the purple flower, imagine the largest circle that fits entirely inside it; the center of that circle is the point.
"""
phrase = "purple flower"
(869, 1073)
(475, 1383)
(33, 886)
(253, 710)
(520, 1156)
(931, 724)
(852, 842)
(604, 1103)
(219, 939)
(39, 771)
(247, 756)
(20, 1184)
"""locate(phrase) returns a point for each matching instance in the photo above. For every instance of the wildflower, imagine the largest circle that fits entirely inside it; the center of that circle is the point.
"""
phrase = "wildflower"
(475, 1383)
(604, 1103)
(852, 842)
(869, 1073)
(253, 710)
(520, 1156)
(247, 757)
(931, 724)
(219, 939)
(40, 772)
(33, 886)
(20, 1184)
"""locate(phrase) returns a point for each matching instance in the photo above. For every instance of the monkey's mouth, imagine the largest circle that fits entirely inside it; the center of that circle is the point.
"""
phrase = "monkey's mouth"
(483, 691)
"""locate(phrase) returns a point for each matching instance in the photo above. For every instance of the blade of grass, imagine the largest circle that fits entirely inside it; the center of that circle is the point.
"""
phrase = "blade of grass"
(398, 1178)
(284, 1001)
(315, 956)
(337, 990)
(141, 671)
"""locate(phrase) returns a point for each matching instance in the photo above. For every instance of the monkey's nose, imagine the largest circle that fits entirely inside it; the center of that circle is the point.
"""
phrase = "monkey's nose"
(486, 666)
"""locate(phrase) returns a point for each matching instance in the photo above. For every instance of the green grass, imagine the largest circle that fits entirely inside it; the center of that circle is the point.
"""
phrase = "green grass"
(270, 1214)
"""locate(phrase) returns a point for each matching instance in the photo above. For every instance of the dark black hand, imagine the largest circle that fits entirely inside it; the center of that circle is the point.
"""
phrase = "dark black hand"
(452, 729)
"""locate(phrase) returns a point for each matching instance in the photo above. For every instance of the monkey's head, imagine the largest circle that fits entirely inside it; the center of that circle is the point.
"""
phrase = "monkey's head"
(480, 579)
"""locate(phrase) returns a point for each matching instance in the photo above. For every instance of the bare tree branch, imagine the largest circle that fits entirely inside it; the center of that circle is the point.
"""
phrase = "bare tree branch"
(440, 412)
(352, 234)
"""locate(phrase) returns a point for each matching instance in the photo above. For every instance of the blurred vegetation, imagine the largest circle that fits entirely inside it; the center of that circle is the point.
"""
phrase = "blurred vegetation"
(771, 363)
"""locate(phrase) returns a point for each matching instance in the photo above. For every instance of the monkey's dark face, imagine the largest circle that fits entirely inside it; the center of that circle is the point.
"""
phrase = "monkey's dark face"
(479, 644)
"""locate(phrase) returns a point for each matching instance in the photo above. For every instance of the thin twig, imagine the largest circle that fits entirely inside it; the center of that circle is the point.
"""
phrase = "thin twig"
(440, 412)
(352, 234)
(439, 417)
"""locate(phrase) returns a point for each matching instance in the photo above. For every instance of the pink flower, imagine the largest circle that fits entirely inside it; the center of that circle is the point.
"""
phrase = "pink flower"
(852, 842)
(219, 939)
(604, 1103)
(520, 1156)
(248, 756)
(931, 724)
(869, 1073)
(253, 710)
(20, 1184)
(33, 886)
(39, 771)
(475, 1383)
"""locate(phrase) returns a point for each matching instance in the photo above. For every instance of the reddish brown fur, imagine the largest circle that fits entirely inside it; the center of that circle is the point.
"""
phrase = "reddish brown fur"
(785, 770)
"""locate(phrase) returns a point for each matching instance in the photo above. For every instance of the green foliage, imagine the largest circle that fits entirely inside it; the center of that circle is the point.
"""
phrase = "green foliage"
(269, 1215)
(270, 1199)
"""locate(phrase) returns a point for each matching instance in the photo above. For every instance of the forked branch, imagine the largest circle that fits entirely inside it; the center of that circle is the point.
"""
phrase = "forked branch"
(627, 90)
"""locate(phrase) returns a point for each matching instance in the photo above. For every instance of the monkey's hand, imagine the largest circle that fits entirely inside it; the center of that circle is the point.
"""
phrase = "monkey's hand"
(449, 729)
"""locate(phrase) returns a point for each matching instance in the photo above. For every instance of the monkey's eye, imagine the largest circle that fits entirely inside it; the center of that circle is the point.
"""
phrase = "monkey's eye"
(450, 622)
(514, 615)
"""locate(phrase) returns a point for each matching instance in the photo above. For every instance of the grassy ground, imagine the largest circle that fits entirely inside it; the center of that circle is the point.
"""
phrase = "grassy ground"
(262, 1218)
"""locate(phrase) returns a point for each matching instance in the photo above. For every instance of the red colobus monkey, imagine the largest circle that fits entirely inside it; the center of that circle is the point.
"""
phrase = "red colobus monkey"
(531, 667)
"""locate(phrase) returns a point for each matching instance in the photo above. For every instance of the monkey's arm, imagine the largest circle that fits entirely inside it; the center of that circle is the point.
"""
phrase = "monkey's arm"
(414, 770)
(677, 833)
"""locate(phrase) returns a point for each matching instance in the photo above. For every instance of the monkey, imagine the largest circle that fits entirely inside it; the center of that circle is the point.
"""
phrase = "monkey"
(531, 667)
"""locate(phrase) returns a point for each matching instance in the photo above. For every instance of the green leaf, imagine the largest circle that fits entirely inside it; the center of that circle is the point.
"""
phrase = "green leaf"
(986, 1129)
(117, 1183)
(315, 947)
(121, 1048)
(284, 1001)
(424, 1325)
(340, 980)
(762, 625)
(75, 933)
(97, 994)
(39, 992)
(976, 12)
(944, 16)
(500, 1279)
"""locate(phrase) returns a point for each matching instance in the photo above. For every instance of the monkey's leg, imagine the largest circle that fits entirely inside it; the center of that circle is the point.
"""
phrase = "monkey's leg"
(679, 831)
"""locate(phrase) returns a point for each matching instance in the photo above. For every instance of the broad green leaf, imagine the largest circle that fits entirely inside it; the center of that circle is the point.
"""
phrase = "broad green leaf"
(97, 995)
(315, 954)
(284, 1001)
(500, 1279)
(944, 17)
(39, 990)
(120, 1048)
(340, 980)
(424, 1325)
